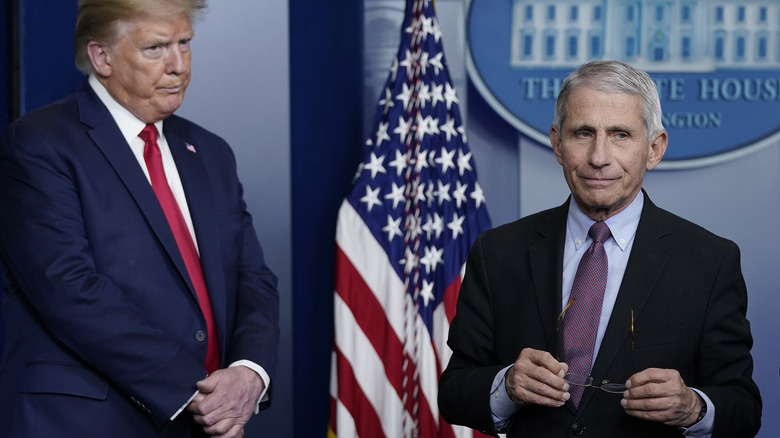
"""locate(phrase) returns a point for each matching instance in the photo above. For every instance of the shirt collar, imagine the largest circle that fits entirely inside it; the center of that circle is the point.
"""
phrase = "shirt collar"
(128, 123)
(622, 225)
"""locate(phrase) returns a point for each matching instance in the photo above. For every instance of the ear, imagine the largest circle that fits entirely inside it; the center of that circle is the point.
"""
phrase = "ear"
(100, 55)
(657, 149)
(555, 141)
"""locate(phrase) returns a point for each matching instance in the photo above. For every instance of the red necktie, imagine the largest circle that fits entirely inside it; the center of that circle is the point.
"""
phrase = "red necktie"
(183, 238)
(581, 321)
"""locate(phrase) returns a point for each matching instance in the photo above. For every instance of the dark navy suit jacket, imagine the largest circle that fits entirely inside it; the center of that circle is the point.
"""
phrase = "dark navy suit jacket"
(689, 299)
(103, 328)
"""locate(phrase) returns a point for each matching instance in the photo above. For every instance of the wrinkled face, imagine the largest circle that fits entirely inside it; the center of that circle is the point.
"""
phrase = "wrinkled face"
(604, 150)
(147, 70)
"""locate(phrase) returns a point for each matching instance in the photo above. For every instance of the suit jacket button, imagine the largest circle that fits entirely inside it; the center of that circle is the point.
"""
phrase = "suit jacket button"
(577, 429)
(200, 336)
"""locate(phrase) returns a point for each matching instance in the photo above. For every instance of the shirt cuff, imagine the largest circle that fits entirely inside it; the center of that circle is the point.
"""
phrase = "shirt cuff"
(702, 429)
(501, 406)
(176, 414)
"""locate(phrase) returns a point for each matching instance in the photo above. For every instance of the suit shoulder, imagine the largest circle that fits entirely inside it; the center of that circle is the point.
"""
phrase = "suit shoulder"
(61, 112)
(203, 139)
(528, 227)
(44, 126)
(188, 127)
(685, 230)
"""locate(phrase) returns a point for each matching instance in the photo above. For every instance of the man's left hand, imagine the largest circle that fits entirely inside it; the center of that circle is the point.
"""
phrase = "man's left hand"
(661, 395)
(226, 400)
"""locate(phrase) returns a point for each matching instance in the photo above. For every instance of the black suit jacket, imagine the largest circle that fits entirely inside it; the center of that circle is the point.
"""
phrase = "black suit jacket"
(104, 329)
(689, 299)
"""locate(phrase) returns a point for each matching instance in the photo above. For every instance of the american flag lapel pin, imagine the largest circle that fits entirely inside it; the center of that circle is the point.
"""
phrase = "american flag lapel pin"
(191, 148)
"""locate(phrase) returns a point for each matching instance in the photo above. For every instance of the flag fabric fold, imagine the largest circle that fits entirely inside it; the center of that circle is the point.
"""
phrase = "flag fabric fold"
(402, 239)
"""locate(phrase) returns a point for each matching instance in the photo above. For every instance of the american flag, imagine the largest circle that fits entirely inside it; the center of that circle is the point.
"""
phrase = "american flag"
(402, 239)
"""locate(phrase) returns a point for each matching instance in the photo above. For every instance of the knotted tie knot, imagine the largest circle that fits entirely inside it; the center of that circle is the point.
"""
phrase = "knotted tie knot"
(149, 134)
(599, 232)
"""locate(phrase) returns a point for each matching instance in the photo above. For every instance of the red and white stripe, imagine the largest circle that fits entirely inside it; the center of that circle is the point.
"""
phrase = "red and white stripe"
(366, 374)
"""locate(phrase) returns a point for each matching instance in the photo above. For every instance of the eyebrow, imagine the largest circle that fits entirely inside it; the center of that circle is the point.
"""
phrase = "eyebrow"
(586, 127)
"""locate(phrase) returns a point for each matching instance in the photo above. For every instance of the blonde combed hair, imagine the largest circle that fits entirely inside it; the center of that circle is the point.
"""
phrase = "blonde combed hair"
(98, 20)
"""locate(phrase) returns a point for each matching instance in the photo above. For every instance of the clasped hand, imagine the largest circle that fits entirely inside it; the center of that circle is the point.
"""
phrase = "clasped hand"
(653, 394)
(226, 400)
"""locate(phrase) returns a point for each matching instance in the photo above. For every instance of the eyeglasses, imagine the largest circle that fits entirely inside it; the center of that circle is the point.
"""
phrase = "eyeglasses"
(579, 380)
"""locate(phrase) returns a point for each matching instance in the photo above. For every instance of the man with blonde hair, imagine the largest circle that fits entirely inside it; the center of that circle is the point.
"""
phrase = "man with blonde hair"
(137, 299)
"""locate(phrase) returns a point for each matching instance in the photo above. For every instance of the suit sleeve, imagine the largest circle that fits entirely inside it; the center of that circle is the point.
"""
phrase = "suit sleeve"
(46, 251)
(464, 387)
(256, 333)
(725, 364)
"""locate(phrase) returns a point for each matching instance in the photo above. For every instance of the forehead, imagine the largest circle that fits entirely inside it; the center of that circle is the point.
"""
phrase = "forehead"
(156, 28)
(587, 105)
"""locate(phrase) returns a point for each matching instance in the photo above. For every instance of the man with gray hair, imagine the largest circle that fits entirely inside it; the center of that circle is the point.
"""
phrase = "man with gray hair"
(137, 299)
(606, 316)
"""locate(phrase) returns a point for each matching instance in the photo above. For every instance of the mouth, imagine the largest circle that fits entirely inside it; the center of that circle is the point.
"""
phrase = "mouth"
(173, 89)
(597, 181)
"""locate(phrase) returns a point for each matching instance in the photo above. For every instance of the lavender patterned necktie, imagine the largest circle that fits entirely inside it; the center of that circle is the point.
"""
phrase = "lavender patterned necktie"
(581, 321)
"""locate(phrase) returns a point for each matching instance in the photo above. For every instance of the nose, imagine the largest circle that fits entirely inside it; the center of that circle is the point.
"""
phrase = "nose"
(599, 151)
(178, 60)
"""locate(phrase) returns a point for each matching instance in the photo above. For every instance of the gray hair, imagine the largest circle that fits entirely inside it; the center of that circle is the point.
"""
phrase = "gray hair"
(98, 20)
(613, 77)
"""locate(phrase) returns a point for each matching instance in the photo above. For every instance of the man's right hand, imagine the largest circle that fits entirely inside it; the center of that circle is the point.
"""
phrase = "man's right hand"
(226, 400)
(537, 378)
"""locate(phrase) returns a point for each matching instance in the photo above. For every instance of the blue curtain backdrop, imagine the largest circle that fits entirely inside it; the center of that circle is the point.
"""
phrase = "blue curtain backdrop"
(47, 70)
(6, 104)
(326, 83)
(6, 37)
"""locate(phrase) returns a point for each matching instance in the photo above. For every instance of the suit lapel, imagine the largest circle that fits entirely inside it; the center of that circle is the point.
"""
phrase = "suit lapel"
(645, 265)
(546, 258)
(108, 138)
(202, 204)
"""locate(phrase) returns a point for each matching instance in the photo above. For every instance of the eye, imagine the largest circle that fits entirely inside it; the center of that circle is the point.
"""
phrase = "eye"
(154, 51)
(583, 134)
(185, 44)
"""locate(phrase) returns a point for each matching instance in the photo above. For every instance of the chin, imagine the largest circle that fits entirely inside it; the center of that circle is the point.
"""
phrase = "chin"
(599, 202)
(170, 107)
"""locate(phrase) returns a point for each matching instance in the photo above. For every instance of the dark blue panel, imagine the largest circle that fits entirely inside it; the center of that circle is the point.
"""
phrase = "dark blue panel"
(326, 82)
(7, 28)
(48, 69)
(6, 103)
